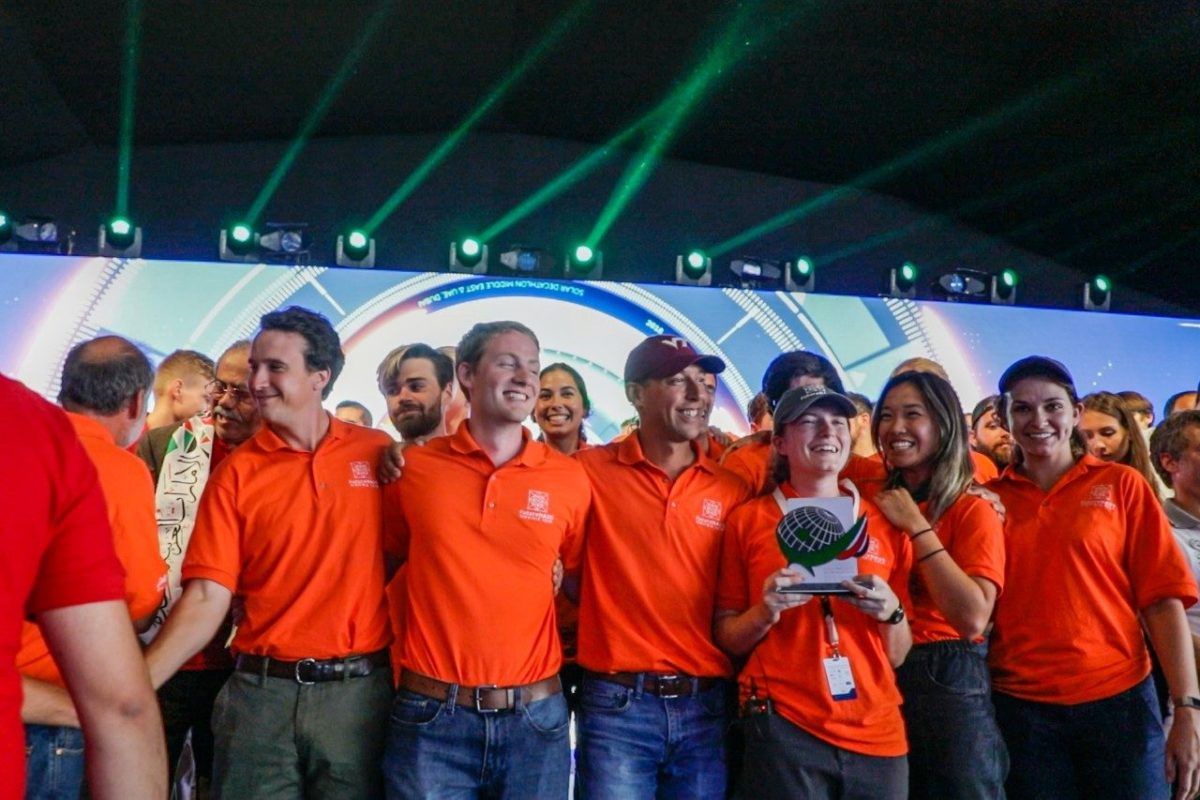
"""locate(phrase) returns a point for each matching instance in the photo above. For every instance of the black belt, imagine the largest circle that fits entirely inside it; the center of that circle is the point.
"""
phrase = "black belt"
(658, 684)
(312, 670)
(482, 698)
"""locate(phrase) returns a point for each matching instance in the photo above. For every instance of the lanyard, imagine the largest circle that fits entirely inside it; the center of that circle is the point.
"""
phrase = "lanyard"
(830, 626)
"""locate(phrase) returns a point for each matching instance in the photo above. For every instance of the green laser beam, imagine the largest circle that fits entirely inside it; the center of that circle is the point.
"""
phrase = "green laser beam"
(498, 93)
(129, 61)
(1157, 253)
(980, 126)
(1135, 151)
(317, 113)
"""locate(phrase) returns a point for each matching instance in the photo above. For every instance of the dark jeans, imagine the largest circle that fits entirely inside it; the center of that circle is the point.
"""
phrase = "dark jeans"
(1112, 748)
(53, 762)
(436, 749)
(955, 747)
(279, 740)
(784, 761)
(634, 745)
(187, 701)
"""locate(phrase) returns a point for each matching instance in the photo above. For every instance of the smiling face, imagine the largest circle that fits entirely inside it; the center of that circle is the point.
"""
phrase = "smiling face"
(284, 389)
(673, 409)
(235, 414)
(989, 437)
(1106, 439)
(908, 436)
(559, 409)
(503, 385)
(817, 442)
(415, 403)
(1041, 418)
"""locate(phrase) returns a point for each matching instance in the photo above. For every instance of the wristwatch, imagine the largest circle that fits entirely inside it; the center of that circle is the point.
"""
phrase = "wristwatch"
(898, 616)
(1185, 702)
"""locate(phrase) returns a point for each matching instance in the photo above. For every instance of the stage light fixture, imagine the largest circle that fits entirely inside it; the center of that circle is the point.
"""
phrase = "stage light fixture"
(800, 275)
(1004, 288)
(119, 238)
(1097, 294)
(693, 269)
(584, 262)
(355, 249)
(531, 261)
(238, 244)
(470, 255)
(6, 228)
(902, 281)
(963, 284)
(757, 273)
(34, 235)
(286, 242)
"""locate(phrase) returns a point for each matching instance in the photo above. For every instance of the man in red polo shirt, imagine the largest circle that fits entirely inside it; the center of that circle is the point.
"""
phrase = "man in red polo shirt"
(653, 713)
(291, 522)
(479, 519)
(61, 569)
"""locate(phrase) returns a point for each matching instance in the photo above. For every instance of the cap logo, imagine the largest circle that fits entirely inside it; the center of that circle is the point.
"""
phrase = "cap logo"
(676, 342)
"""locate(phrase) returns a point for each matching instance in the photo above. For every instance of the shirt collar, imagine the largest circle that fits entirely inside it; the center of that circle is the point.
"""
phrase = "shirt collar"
(1178, 517)
(532, 452)
(1084, 464)
(629, 451)
(269, 441)
(88, 428)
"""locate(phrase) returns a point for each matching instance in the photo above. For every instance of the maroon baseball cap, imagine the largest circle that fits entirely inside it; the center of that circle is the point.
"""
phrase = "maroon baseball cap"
(664, 356)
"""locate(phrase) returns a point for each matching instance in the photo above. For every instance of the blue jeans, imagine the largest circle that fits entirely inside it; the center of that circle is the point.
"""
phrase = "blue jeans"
(53, 762)
(634, 745)
(1112, 748)
(436, 749)
(955, 747)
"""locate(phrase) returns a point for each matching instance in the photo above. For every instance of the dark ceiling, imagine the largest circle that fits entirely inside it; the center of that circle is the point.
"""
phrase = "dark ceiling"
(1067, 128)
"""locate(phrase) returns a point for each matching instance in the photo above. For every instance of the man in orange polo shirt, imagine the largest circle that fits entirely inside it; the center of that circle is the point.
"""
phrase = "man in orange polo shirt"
(104, 387)
(291, 522)
(479, 519)
(653, 713)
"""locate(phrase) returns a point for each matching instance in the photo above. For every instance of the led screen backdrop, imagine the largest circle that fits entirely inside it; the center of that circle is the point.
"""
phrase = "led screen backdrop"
(50, 303)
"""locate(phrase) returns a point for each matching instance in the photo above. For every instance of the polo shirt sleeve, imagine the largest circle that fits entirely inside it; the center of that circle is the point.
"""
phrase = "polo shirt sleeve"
(573, 541)
(396, 534)
(1157, 569)
(214, 551)
(733, 582)
(79, 564)
(977, 544)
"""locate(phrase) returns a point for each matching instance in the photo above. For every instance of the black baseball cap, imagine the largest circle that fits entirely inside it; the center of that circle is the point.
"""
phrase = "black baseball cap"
(1035, 366)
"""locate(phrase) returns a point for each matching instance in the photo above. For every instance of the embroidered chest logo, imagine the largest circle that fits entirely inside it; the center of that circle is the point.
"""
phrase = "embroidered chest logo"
(873, 552)
(362, 476)
(710, 514)
(1100, 496)
(537, 507)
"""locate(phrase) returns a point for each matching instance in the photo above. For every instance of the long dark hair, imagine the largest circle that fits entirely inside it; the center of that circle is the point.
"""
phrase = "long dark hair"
(1137, 455)
(953, 471)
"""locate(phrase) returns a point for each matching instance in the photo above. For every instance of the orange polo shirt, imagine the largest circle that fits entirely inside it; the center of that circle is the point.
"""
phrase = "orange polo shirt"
(298, 535)
(985, 468)
(129, 498)
(786, 665)
(1081, 561)
(479, 543)
(650, 571)
(752, 463)
(973, 536)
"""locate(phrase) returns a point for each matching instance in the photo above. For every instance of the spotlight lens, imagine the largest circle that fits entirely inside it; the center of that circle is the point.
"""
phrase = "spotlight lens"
(47, 232)
(240, 233)
(695, 259)
(583, 253)
(291, 242)
(357, 240)
(3, 220)
(803, 267)
(1009, 278)
(908, 272)
(470, 247)
(1102, 283)
(120, 226)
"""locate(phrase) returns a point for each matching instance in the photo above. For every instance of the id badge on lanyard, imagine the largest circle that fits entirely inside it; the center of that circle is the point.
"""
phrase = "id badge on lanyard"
(837, 666)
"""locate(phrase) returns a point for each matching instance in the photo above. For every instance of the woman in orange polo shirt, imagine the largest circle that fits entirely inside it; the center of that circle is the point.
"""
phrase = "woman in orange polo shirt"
(1112, 434)
(562, 404)
(818, 689)
(1089, 560)
(955, 748)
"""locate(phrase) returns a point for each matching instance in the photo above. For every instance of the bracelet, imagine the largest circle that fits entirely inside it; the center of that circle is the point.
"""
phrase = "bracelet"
(913, 537)
(928, 556)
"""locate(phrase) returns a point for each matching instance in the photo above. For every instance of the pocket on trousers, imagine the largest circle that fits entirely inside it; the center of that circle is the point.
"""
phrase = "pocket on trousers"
(962, 674)
(714, 702)
(601, 697)
(415, 710)
(548, 716)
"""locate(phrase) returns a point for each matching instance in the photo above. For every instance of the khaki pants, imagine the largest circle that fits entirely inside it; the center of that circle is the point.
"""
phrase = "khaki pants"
(277, 739)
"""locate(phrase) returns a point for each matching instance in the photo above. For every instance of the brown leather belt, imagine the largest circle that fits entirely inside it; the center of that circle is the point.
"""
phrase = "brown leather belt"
(664, 685)
(482, 698)
(311, 670)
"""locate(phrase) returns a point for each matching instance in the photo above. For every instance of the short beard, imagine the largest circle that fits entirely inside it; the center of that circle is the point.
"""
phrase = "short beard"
(423, 424)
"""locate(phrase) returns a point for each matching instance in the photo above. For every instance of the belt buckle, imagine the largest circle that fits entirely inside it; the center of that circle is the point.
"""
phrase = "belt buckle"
(478, 694)
(301, 663)
(680, 686)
